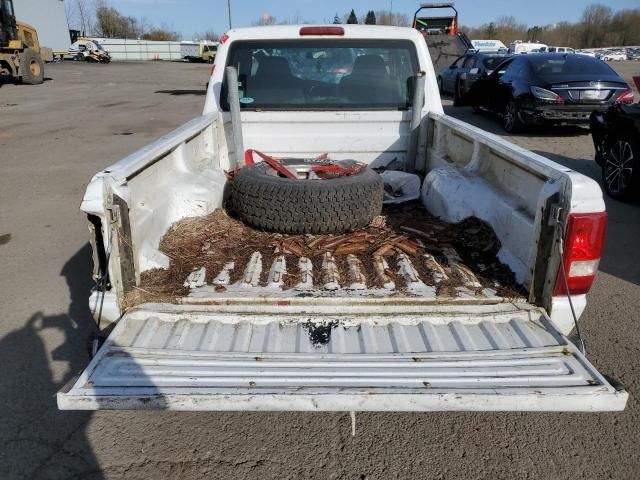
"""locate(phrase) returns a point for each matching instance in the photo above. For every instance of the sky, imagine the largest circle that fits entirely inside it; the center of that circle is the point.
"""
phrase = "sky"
(188, 17)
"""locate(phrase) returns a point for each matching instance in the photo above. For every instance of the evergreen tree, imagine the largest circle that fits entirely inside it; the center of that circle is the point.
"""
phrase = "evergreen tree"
(352, 17)
(336, 20)
(370, 18)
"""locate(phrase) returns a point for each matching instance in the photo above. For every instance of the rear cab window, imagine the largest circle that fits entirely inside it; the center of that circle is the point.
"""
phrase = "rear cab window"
(323, 74)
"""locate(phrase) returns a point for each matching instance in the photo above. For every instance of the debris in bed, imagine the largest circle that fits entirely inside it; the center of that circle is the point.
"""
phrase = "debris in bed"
(405, 249)
(320, 332)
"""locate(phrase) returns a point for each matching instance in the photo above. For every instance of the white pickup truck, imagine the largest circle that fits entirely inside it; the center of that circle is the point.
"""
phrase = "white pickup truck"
(247, 347)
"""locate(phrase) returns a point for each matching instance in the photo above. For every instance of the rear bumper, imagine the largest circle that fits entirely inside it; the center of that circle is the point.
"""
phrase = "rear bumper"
(534, 401)
(573, 115)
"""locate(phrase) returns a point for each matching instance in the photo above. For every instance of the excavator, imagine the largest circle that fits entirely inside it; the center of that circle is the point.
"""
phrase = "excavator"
(21, 55)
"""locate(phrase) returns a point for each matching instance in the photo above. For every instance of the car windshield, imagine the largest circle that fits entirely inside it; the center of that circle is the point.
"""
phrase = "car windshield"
(553, 68)
(98, 45)
(490, 63)
(324, 74)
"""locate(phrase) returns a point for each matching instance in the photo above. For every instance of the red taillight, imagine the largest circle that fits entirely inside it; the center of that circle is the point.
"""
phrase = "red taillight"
(224, 38)
(626, 97)
(582, 250)
(321, 31)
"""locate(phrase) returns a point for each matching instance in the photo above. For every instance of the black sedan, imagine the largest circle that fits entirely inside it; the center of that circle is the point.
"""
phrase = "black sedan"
(458, 78)
(555, 88)
(616, 136)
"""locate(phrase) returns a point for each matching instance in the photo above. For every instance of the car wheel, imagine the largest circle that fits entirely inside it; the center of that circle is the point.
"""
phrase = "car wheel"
(620, 168)
(511, 118)
(440, 86)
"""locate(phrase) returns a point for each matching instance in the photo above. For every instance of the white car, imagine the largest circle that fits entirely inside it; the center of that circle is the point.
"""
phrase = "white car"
(614, 57)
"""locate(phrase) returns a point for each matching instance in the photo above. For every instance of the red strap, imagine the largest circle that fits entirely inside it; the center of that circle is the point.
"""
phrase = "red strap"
(272, 162)
(333, 170)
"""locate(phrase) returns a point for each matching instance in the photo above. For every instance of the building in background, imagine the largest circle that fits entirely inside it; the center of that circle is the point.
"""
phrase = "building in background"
(49, 19)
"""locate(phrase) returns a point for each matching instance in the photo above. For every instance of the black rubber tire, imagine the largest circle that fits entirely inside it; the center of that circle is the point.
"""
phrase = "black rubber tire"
(282, 205)
(622, 156)
(30, 60)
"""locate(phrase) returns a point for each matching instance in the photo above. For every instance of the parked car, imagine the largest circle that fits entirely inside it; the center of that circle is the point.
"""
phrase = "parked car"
(458, 78)
(550, 88)
(589, 53)
(519, 47)
(556, 50)
(614, 56)
(616, 137)
(292, 333)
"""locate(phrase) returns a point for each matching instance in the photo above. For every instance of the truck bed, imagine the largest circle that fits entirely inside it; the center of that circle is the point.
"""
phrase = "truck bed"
(405, 253)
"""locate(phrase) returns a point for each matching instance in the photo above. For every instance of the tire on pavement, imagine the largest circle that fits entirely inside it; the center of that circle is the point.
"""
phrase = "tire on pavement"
(32, 67)
(260, 198)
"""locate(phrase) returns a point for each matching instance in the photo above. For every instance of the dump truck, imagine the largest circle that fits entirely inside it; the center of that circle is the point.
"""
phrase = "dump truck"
(21, 55)
(290, 322)
(446, 43)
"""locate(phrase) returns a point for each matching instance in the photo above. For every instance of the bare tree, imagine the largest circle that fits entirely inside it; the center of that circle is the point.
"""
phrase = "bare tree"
(208, 35)
(385, 17)
(598, 27)
(80, 15)
(265, 19)
(595, 22)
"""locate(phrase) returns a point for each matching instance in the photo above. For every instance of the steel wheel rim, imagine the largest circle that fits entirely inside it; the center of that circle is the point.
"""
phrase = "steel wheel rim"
(34, 67)
(509, 116)
(618, 166)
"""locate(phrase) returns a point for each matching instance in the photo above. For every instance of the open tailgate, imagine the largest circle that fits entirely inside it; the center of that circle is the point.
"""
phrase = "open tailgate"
(484, 358)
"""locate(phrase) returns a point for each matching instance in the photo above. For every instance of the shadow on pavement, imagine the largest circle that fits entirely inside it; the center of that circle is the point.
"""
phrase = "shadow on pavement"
(183, 92)
(42, 442)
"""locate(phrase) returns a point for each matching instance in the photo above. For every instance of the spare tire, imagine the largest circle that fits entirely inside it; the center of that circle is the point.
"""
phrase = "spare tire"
(261, 198)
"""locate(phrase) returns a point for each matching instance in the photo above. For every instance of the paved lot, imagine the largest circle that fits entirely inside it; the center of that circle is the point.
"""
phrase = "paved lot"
(53, 137)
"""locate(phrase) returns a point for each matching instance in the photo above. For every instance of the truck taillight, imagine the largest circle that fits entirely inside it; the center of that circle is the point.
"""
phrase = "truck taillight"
(626, 97)
(582, 250)
(304, 31)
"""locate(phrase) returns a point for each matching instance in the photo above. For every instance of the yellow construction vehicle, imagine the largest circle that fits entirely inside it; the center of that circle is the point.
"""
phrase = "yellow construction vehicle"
(21, 55)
